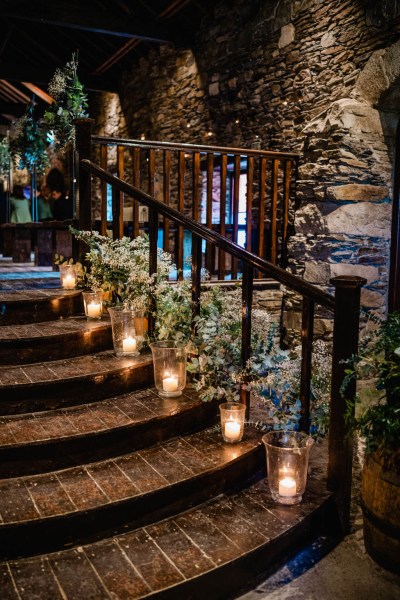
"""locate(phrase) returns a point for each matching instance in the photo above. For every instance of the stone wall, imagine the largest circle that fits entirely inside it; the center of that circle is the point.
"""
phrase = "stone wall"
(317, 77)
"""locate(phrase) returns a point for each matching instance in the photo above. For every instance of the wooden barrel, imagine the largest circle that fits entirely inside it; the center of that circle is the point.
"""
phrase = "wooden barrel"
(380, 497)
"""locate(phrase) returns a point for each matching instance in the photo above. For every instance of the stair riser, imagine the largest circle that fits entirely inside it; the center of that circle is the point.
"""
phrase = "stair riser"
(56, 454)
(57, 533)
(21, 313)
(41, 396)
(54, 348)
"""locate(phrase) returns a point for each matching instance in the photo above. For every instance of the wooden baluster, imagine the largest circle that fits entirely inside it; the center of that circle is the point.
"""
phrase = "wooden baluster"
(151, 172)
(103, 185)
(285, 211)
(222, 215)
(167, 196)
(196, 274)
(307, 333)
(249, 201)
(210, 177)
(261, 211)
(181, 205)
(118, 200)
(345, 345)
(196, 187)
(153, 235)
(274, 210)
(247, 302)
(84, 150)
(235, 210)
(136, 183)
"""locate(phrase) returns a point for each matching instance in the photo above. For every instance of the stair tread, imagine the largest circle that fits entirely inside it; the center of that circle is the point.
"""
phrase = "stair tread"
(86, 419)
(168, 555)
(67, 369)
(36, 331)
(41, 295)
(63, 492)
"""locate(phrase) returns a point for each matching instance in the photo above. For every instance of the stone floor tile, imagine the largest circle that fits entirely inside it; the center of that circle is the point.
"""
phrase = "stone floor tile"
(49, 495)
(34, 580)
(81, 488)
(77, 577)
(152, 564)
(117, 573)
(188, 557)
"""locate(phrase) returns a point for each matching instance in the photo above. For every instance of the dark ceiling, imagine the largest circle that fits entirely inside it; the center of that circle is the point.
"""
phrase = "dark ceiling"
(37, 37)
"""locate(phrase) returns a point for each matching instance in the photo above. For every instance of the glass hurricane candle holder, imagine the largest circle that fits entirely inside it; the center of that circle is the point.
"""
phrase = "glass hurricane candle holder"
(169, 361)
(125, 340)
(232, 421)
(68, 277)
(287, 464)
(93, 304)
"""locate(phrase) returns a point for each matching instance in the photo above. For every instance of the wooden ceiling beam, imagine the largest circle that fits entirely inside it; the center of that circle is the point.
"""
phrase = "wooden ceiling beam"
(38, 92)
(95, 23)
(16, 93)
(41, 77)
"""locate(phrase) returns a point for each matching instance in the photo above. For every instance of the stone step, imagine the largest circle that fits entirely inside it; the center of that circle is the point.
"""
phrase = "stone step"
(34, 306)
(208, 551)
(48, 512)
(53, 340)
(69, 382)
(46, 441)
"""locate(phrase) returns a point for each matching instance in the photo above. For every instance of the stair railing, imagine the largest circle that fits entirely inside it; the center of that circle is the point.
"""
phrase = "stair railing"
(245, 195)
(345, 306)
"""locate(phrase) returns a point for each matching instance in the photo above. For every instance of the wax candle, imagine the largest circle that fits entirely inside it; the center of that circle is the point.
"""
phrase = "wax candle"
(93, 310)
(129, 344)
(170, 383)
(69, 282)
(287, 487)
(232, 430)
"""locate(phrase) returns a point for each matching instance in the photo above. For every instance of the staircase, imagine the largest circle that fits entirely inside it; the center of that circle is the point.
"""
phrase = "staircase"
(108, 490)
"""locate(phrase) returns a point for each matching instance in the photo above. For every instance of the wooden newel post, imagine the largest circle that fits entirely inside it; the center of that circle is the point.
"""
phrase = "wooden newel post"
(83, 132)
(345, 345)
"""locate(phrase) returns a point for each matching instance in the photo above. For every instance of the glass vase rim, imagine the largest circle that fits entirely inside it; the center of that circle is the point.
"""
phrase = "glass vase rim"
(169, 344)
(120, 309)
(238, 406)
(306, 441)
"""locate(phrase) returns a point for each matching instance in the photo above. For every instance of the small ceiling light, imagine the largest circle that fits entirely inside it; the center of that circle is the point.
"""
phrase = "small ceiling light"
(284, 103)
(142, 137)
(257, 136)
(209, 133)
(237, 121)
(187, 124)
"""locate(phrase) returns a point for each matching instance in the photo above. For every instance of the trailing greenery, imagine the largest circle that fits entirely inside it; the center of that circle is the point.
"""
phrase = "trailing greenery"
(378, 420)
(70, 104)
(28, 142)
(5, 157)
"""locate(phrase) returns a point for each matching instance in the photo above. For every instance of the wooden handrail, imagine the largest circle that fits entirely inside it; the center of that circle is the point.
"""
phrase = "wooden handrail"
(295, 283)
(151, 144)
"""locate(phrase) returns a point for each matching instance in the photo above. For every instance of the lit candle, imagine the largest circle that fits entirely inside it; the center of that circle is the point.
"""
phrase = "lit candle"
(93, 310)
(232, 430)
(170, 383)
(129, 344)
(287, 487)
(69, 282)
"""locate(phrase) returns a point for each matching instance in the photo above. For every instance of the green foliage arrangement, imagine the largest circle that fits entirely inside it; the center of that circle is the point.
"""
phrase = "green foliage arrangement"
(70, 104)
(272, 375)
(121, 268)
(378, 416)
(28, 142)
(5, 157)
